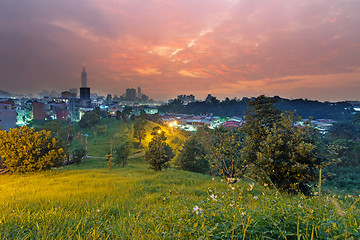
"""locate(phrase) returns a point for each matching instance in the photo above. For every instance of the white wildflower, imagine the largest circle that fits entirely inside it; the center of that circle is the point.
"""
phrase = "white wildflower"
(197, 210)
(243, 213)
(98, 210)
(256, 197)
(213, 197)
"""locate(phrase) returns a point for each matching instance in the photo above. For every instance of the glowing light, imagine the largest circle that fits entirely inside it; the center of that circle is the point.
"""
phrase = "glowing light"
(159, 131)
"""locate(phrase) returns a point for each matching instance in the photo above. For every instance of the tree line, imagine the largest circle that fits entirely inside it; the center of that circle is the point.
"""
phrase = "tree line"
(237, 107)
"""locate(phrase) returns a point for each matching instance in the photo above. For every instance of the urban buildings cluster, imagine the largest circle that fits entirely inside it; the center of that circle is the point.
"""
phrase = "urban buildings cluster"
(20, 111)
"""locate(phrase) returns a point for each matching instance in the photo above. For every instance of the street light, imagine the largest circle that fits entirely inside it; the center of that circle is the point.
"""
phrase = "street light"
(172, 125)
(86, 135)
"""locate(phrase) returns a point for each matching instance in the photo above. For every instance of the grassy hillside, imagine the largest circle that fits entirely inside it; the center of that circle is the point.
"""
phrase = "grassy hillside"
(92, 202)
(120, 131)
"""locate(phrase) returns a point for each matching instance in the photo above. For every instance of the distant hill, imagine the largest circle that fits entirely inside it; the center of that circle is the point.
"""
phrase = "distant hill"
(236, 107)
(5, 94)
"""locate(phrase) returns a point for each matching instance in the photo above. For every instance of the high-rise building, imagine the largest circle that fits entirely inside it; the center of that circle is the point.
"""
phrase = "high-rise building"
(84, 90)
(83, 78)
(85, 93)
(139, 92)
(130, 94)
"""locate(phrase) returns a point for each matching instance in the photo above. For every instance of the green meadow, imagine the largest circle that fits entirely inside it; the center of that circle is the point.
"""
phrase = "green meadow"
(90, 201)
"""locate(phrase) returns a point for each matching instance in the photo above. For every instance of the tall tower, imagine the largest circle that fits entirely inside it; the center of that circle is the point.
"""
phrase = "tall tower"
(84, 90)
(139, 92)
(83, 77)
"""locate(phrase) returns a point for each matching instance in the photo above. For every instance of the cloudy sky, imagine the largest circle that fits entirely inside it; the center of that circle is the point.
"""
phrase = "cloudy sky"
(234, 48)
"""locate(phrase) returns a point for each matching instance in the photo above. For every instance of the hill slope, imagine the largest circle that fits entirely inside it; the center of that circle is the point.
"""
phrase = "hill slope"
(118, 132)
(136, 203)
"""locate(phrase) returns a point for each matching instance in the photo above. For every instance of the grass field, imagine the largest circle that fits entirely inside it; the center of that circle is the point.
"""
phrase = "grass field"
(90, 201)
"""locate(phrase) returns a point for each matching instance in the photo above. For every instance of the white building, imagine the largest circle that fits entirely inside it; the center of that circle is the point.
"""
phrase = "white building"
(7, 116)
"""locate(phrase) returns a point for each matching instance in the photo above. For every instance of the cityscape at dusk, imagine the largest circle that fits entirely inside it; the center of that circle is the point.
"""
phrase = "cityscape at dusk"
(179, 119)
(227, 48)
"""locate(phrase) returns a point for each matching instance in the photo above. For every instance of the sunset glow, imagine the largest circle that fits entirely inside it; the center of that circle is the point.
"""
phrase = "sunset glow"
(227, 48)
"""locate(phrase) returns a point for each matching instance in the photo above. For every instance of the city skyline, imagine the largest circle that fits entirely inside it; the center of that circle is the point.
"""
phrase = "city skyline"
(227, 48)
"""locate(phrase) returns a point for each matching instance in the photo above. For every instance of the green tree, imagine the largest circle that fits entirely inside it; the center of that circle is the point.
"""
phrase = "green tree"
(125, 113)
(139, 129)
(344, 130)
(260, 117)
(89, 119)
(278, 152)
(225, 155)
(159, 152)
(100, 113)
(25, 150)
(118, 115)
(121, 154)
(78, 155)
(192, 157)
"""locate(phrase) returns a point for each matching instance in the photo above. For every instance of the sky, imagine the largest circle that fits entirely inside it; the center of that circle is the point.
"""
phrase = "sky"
(227, 48)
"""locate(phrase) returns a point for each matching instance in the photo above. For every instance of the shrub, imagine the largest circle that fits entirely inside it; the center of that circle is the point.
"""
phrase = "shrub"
(159, 153)
(26, 150)
(89, 119)
(121, 154)
(78, 155)
(193, 157)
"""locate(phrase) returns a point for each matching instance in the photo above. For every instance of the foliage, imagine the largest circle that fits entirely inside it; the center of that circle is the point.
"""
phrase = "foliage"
(278, 152)
(193, 157)
(134, 203)
(139, 129)
(344, 130)
(225, 155)
(99, 112)
(62, 130)
(125, 113)
(236, 107)
(121, 154)
(109, 162)
(89, 119)
(25, 150)
(159, 152)
(118, 115)
(78, 155)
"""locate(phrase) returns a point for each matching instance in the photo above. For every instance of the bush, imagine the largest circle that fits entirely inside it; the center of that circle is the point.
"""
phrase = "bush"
(26, 150)
(121, 154)
(193, 157)
(78, 155)
(89, 119)
(159, 153)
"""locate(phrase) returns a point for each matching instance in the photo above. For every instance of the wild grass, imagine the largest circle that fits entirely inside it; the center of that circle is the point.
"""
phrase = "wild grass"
(136, 203)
